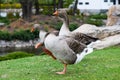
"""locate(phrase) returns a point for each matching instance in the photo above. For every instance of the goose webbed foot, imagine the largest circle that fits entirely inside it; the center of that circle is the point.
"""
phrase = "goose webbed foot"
(64, 70)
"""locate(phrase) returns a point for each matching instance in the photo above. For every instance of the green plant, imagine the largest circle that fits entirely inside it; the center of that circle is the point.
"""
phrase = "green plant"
(99, 65)
(17, 5)
(70, 12)
(4, 35)
(98, 16)
(17, 15)
(15, 55)
(73, 26)
(10, 15)
(97, 22)
(24, 35)
(10, 5)
(58, 25)
(47, 10)
(4, 20)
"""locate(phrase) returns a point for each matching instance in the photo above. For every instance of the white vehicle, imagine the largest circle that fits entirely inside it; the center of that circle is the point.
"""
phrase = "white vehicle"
(96, 5)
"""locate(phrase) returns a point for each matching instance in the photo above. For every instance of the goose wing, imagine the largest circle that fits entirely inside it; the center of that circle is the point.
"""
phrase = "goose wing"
(75, 45)
(83, 38)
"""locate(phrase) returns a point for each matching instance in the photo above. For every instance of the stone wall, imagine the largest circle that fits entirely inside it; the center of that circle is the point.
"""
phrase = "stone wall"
(17, 43)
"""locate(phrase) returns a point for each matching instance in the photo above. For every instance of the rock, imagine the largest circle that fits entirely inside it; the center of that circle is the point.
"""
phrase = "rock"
(2, 24)
(99, 32)
(17, 43)
(109, 36)
(113, 17)
(108, 41)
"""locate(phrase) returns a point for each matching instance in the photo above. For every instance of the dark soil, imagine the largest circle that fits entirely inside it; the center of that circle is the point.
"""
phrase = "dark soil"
(46, 21)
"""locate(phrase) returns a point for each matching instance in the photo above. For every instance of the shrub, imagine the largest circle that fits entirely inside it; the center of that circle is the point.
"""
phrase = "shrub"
(73, 26)
(4, 35)
(10, 15)
(17, 5)
(58, 25)
(2, 58)
(94, 22)
(98, 16)
(2, 6)
(4, 20)
(17, 15)
(12, 5)
(70, 12)
(15, 55)
(24, 35)
(47, 10)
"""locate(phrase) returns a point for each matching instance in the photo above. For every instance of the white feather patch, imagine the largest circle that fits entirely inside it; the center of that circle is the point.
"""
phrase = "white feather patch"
(82, 55)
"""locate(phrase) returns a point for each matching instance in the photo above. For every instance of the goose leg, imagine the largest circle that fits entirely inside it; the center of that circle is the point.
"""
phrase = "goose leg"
(45, 50)
(38, 45)
(64, 70)
(49, 53)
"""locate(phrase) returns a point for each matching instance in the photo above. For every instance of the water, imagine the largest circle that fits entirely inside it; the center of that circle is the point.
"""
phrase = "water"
(4, 14)
(4, 51)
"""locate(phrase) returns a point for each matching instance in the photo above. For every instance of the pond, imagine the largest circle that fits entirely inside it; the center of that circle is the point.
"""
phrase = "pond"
(4, 14)
(4, 51)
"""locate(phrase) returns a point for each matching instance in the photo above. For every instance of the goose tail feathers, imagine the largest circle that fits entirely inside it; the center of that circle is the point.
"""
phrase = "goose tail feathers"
(86, 51)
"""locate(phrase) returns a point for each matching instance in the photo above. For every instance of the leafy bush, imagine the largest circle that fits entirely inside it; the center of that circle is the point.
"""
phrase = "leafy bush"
(70, 12)
(15, 55)
(4, 35)
(17, 5)
(12, 5)
(94, 22)
(10, 15)
(58, 25)
(4, 20)
(24, 35)
(47, 10)
(73, 26)
(98, 16)
(17, 15)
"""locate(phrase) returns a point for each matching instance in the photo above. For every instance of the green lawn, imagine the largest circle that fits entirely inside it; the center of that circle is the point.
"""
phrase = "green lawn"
(100, 65)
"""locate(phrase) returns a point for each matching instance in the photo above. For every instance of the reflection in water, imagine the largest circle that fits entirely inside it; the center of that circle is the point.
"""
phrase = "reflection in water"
(4, 51)
(3, 14)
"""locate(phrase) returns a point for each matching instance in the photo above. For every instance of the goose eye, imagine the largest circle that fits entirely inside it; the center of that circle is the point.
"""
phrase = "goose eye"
(86, 51)
(62, 16)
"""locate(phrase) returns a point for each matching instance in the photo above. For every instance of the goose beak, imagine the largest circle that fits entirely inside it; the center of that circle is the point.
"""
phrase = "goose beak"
(55, 13)
(32, 30)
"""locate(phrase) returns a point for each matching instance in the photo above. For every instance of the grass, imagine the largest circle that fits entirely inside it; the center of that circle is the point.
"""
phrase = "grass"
(100, 65)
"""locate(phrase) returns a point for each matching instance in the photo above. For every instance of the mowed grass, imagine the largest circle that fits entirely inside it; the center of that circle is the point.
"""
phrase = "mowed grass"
(99, 65)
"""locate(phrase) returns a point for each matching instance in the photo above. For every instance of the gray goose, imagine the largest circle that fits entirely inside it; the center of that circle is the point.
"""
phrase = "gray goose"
(67, 49)
(64, 30)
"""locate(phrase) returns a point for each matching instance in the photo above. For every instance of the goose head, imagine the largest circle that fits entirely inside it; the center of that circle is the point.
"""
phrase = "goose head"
(37, 27)
(42, 32)
(62, 15)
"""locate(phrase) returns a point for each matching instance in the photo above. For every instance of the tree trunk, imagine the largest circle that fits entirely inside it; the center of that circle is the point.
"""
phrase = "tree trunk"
(36, 7)
(75, 7)
(60, 4)
(54, 2)
(26, 9)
